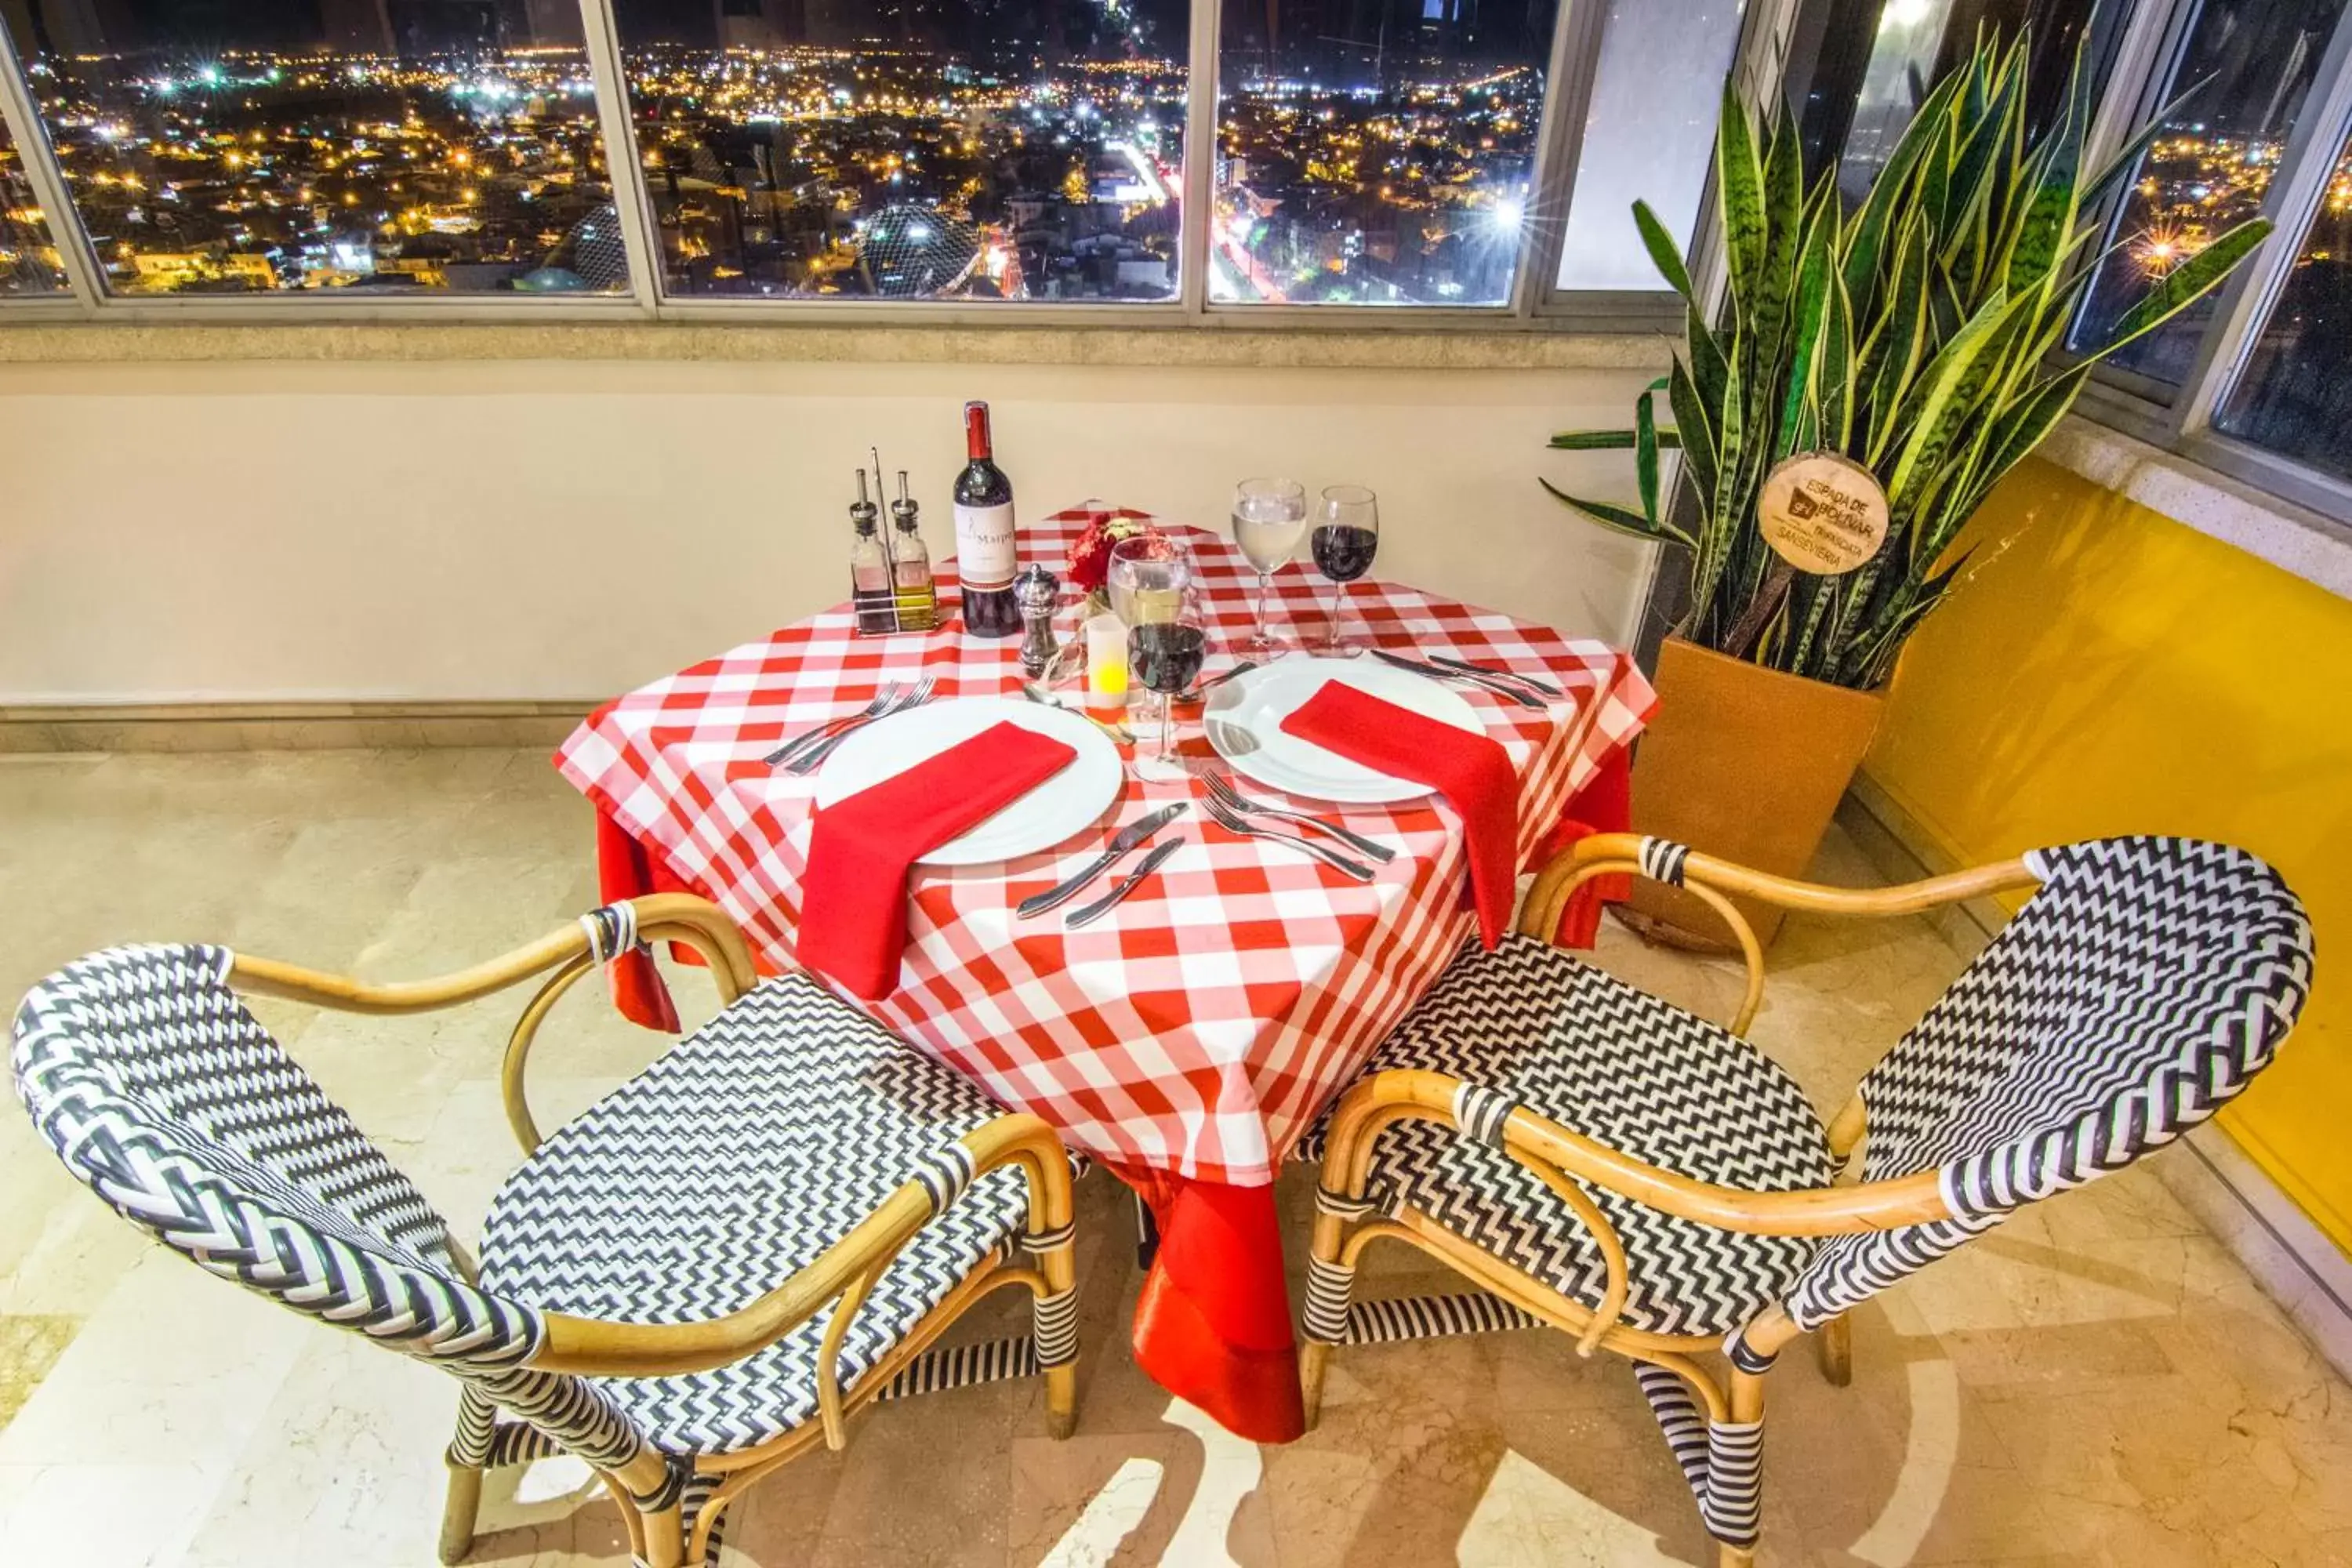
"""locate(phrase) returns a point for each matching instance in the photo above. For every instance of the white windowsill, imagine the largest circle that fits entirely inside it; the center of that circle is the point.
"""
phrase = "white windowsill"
(1366, 345)
(2289, 537)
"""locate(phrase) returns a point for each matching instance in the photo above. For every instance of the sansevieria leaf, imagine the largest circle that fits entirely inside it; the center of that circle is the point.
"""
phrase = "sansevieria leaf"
(1875, 225)
(1739, 194)
(1693, 432)
(1624, 520)
(1605, 440)
(1815, 274)
(1645, 447)
(1665, 255)
(2180, 288)
(1939, 389)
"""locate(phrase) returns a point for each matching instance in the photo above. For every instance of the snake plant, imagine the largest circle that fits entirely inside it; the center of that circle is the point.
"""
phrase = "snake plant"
(1916, 335)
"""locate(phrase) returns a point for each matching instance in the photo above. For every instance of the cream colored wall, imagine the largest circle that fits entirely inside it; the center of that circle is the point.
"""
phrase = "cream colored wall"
(560, 529)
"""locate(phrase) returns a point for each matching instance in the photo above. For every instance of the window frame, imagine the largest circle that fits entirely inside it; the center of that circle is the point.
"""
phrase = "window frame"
(2181, 419)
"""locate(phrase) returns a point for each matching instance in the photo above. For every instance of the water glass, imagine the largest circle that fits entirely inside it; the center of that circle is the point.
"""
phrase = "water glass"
(1268, 517)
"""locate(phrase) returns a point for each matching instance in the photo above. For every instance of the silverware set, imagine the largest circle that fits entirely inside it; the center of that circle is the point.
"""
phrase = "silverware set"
(1507, 684)
(1223, 790)
(806, 751)
(1126, 884)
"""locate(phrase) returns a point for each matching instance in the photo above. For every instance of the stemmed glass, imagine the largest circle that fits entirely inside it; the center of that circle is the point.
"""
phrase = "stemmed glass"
(1164, 656)
(1347, 535)
(1147, 578)
(1268, 517)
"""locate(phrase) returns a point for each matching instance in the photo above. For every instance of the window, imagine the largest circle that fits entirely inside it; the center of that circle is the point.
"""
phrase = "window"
(372, 148)
(912, 149)
(2248, 68)
(1376, 152)
(2294, 396)
(1649, 135)
(28, 257)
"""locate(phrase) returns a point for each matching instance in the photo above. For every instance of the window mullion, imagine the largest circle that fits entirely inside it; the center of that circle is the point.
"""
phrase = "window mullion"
(85, 274)
(1567, 95)
(639, 236)
(2133, 89)
(2292, 203)
(1202, 145)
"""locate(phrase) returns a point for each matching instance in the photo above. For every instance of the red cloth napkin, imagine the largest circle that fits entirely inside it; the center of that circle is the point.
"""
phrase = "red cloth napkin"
(1472, 772)
(854, 898)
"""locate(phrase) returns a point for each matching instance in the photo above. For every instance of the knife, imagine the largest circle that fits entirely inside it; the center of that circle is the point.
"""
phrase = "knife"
(1488, 682)
(1127, 885)
(1129, 837)
(1467, 668)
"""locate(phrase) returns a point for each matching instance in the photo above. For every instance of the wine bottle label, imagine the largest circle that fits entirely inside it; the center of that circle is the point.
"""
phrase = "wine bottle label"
(985, 555)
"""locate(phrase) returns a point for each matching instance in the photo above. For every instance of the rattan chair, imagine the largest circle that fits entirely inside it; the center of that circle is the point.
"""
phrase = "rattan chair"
(653, 1282)
(1607, 1165)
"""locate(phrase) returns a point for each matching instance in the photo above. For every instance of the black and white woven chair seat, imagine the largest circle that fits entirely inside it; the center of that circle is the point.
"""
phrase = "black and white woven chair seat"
(739, 1157)
(1539, 1027)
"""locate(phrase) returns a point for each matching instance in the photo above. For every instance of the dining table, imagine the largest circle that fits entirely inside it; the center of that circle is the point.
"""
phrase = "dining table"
(1187, 1039)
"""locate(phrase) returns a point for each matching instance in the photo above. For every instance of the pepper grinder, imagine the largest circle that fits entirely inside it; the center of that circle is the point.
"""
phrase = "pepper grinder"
(1035, 591)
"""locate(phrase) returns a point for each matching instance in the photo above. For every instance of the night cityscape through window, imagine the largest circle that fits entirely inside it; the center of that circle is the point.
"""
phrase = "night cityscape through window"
(913, 148)
(1371, 152)
(2210, 166)
(229, 146)
(1376, 152)
(29, 259)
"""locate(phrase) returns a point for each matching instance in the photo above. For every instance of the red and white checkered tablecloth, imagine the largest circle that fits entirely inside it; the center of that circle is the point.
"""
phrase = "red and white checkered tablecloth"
(1198, 1029)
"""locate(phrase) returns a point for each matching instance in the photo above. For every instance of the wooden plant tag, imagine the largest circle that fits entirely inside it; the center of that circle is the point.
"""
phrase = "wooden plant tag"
(1821, 512)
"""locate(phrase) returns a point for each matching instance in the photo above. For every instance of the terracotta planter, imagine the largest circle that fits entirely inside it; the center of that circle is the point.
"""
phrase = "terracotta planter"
(1743, 762)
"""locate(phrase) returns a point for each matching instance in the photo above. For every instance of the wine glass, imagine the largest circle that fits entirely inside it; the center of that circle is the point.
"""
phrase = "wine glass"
(1268, 517)
(1164, 655)
(1147, 578)
(1347, 535)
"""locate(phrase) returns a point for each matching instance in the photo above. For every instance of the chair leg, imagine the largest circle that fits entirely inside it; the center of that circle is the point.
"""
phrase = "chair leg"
(665, 1532)
(1746, 1393)
(1313, 1359)
(458, 1515)
(1053, 1323)
(1834, 1344)
(1329, 1288)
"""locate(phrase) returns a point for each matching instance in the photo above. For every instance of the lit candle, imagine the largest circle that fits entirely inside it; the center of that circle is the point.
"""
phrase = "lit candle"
(1106, 666)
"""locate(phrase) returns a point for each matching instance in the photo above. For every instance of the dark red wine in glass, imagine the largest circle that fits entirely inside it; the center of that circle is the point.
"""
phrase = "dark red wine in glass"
(1345, 551)
(1347, 536)
(1165, 656)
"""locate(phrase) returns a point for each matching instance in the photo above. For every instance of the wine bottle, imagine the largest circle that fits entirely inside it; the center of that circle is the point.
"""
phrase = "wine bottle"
(988, 552)
(871, 594)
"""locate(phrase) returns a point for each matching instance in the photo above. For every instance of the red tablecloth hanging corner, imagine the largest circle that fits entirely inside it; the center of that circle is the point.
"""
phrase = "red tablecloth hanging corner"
(1121, 1065)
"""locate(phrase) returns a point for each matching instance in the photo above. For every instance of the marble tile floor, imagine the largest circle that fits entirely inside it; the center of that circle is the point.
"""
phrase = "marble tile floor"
(2097, 1382)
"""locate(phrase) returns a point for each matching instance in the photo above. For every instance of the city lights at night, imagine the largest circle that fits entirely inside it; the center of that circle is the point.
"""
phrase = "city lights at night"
(1372, 152)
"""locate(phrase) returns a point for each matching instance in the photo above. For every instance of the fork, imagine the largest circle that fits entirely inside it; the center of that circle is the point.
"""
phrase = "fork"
(1232, 822)
(1222, 788)
(883, 698)
(809, 761)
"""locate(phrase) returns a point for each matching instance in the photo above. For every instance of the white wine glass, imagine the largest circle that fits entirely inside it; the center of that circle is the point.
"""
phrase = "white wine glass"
(1268, 517)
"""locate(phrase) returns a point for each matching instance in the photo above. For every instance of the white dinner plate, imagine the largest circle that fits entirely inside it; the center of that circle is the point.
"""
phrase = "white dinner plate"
(1245, 715)
(1063, 806)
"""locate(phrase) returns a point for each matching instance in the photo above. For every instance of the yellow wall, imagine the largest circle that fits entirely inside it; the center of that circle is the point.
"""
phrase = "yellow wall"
(2112, 672)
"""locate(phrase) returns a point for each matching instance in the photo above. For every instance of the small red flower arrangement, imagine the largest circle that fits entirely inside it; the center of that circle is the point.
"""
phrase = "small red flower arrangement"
(1090, 554)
